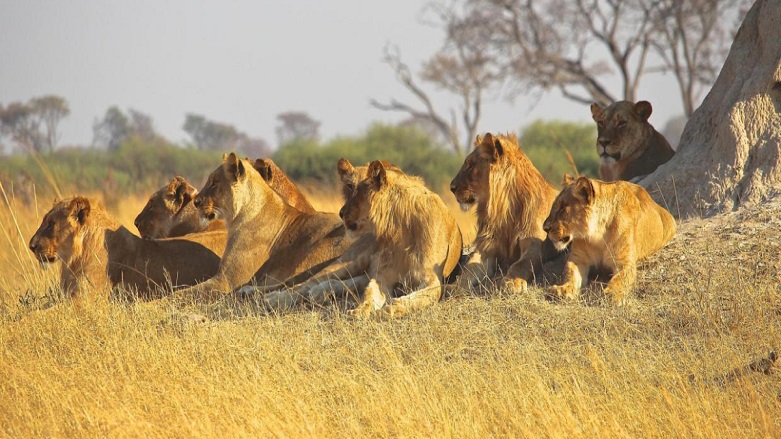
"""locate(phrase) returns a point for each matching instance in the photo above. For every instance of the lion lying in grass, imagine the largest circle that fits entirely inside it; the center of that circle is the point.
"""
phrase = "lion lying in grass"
(609, 226)
(418, 240)
(170, 212)
(512, 199)
(98, 253)
(268, 240)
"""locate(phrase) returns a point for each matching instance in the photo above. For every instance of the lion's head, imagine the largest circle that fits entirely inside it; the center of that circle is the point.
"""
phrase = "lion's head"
(351, 175)
(59, 233)
(281, 183)
(472, 183)
(622, 129)
(355, 212)
(216, 199)
(569, 216)
(157, 218)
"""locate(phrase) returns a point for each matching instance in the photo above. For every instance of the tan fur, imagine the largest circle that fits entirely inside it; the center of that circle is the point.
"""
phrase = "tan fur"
(98, 253)
(628, 146)
(268, 240)
(170, 212)
(418, 240)
(512, 200)
(610, 226)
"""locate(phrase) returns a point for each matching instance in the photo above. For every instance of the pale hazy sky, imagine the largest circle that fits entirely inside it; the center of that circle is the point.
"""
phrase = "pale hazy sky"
(239, 62)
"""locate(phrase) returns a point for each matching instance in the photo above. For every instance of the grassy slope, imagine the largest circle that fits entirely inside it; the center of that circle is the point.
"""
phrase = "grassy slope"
(474, 366)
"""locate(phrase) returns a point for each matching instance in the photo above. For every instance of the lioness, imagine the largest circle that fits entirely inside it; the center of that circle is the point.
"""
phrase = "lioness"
(169, 211)
(97, 252)
(347, 273)
(629, 147)
(418, 240)
(610, 226)
(512, 200)
(266, 236)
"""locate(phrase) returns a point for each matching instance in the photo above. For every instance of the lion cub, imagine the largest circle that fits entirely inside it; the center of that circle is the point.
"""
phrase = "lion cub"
(609, 226)
(629, 147)
(418, 240)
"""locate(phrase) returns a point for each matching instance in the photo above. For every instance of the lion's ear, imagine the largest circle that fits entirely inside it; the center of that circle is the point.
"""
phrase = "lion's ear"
(377, 174)
(181, 189)
(596, 112)
(345, 169)
(584, 189)
(80, 209)
(56, 200)
(224, 157)
(235, 167)
(568, 180)
(264, 169)
(643, 109)
(491, 148)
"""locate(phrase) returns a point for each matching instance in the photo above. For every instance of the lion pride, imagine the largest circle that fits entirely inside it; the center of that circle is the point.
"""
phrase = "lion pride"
(512, 199)
(629, 147)
(418, 240)
(268, 240)
(97, 252)
(169, 211)
(608, 226)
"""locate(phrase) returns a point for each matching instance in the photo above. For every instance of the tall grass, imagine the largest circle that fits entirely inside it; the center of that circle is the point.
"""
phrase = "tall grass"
(486, 366)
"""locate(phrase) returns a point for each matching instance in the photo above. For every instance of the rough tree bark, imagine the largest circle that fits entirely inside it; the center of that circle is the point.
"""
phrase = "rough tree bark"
(730, 151)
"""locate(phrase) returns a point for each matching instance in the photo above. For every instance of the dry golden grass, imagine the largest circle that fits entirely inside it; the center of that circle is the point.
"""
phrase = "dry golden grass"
(471, 367)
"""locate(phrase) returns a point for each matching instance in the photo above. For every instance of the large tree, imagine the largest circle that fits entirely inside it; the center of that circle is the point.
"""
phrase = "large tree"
(730, 150)
(295, 126)
(210, 135)
(579, 47)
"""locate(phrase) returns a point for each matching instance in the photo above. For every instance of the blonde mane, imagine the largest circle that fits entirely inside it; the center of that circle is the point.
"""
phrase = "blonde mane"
(517, 192)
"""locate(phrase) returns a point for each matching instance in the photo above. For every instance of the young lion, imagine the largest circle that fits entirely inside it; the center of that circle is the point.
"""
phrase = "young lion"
(629, 147)
(418, 240)
(609, 226)
(512, 200)
(266, 236)
(98, 253)
(170, 212)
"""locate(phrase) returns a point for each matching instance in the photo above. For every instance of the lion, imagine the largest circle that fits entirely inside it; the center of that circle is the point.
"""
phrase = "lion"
(629, 147)
(512, 199)
(98, 253)
(268, 240)
(346, 274)
(170, 212)
(418, 240)
(609, 226)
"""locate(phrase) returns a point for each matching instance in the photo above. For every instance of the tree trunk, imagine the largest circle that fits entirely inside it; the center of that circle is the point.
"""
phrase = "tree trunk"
(730, 151)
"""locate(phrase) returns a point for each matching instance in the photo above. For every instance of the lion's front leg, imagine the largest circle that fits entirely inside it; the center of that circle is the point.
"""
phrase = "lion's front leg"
(323, 291)
(622, 281)
(374, 297)
(423, 297)
(574, 273)
(208, 291)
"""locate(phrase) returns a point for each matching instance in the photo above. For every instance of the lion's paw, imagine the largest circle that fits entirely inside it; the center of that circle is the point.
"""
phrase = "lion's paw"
(561, 292)
(362, 311)
(515, 286)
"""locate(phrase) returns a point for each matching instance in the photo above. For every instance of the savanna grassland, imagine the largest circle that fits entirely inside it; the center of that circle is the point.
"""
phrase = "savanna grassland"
(673, 362)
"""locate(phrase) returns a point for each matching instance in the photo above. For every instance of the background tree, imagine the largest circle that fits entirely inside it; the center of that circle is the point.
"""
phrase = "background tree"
(557, 147)
(34, 125)
(730, 151)
(296, 126)
(576, 46)
(464, 67)
(209, 135)
(112, 130)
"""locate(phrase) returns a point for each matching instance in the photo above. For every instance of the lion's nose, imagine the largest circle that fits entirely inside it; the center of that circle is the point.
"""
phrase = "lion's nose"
(603, 142)
(136, 222)
(546, 227)
(197, 202)
(341, 213)
(453, 187)
(33, 246)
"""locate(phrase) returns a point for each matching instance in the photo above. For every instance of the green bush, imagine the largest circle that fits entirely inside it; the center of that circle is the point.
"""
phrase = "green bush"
(547, 143)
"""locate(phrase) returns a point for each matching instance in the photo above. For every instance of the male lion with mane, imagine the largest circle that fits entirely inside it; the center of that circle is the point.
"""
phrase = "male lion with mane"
(170, 211)
(512, 199)
(629, 147)
(418, 240)
(97, 252)
(608, 226)
(266, 236)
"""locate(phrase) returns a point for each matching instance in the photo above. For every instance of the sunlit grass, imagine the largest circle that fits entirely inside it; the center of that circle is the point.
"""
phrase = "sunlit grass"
(499, 365)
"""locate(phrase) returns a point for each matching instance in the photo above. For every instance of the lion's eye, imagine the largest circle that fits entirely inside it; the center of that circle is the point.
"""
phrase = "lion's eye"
(621, 124)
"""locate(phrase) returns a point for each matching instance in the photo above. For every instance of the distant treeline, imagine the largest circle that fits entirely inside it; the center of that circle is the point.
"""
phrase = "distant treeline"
(139, 165)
